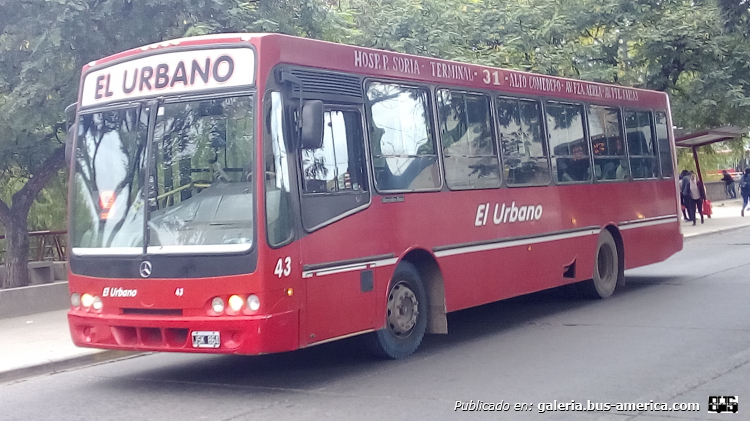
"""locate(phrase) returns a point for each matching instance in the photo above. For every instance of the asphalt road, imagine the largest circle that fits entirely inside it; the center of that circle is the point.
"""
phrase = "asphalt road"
(677, 333)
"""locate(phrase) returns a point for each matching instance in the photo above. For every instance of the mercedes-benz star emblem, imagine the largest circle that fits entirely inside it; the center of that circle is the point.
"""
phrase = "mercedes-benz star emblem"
(145, 269)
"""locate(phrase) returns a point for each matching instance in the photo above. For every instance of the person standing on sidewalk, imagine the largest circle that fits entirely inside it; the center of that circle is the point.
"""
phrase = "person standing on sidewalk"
(729, 181)
(745, 189)
(684, 193)
(697, 194)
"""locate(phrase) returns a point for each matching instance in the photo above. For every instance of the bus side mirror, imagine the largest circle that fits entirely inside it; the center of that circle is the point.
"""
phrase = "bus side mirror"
(311, 135)
(70, 117)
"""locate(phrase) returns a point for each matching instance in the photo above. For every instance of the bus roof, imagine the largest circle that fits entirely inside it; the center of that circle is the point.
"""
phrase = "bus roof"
(380, 63)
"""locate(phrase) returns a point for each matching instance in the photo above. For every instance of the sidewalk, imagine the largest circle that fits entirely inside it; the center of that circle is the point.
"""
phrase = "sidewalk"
(726, 216)
(40, 344)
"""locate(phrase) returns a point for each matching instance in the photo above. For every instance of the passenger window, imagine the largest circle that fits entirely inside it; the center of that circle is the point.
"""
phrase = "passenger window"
(338, 165)
(641, 146)
(403, 148)
(570, 151)
(522, 144)
(607, 143)
(469, 150)
(665, 151)
(334, 178)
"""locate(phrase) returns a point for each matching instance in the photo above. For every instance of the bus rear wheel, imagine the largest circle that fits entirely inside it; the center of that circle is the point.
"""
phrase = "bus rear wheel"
(406, 315)
(606, 268)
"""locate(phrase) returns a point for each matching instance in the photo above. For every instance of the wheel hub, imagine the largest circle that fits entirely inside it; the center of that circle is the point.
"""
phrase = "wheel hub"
(403, 310)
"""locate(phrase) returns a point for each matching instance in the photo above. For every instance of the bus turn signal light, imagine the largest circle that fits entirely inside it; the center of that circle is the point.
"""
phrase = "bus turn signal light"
(236, 302)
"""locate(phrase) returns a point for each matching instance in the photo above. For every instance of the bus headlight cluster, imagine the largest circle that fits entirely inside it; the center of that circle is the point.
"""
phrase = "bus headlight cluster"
(86, 301)
(236, 304)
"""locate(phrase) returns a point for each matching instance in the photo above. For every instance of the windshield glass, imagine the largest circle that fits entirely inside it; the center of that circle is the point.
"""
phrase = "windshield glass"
(200, 190)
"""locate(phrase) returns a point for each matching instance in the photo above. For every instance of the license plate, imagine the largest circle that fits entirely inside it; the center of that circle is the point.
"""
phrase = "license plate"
(205, 339)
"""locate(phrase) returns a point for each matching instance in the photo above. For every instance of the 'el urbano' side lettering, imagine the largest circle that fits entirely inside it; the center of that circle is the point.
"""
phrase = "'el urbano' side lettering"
(503, 214)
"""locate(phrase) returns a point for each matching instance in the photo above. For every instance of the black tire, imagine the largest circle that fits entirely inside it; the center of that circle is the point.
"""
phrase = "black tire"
(407, 308)
(607, 268)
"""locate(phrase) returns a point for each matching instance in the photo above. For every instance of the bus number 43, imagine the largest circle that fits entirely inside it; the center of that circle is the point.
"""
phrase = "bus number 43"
(283, 267)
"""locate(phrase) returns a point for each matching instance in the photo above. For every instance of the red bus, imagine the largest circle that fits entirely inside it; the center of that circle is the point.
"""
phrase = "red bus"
(257, 193)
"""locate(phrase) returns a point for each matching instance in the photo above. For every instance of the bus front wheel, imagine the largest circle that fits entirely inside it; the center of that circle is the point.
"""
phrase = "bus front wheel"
(606, 268)
(406, 315)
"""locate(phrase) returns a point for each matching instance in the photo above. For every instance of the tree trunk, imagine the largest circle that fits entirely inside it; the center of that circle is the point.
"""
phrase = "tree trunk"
(16, 254)
(15, 218)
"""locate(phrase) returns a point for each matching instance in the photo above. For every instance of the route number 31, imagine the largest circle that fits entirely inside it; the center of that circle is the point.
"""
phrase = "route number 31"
(491, 78)
(283, 267)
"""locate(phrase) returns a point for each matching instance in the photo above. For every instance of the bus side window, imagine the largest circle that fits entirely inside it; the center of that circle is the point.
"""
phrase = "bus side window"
(567, 142)
(337, 165)
(641, 145)
(469, 150)
(334, 180)
(662, 138)
(607, 143)
(403, 148)
(522, 145)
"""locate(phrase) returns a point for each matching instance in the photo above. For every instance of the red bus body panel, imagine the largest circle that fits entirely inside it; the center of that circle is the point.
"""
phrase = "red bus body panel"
(459, 229)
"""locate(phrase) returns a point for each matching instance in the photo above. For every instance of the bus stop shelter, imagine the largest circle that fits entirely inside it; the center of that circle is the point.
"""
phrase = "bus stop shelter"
(719, 134)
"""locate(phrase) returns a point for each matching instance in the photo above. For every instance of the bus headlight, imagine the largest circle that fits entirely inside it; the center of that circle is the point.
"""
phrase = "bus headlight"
(87, 300)
(75, 299)
(97, 304)
(217, 304)
(253, 302)
(236, 302)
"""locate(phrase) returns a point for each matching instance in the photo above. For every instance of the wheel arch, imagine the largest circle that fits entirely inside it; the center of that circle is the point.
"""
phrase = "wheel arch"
(432, 276)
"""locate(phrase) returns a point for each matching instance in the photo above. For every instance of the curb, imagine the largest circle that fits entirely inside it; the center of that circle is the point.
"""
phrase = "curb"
(57, 366)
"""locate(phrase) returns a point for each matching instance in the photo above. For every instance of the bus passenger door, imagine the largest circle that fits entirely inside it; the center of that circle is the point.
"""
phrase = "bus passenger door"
(340, 293)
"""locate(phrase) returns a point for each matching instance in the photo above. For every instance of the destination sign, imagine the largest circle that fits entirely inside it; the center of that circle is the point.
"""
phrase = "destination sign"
(169, 74)
(386, 62)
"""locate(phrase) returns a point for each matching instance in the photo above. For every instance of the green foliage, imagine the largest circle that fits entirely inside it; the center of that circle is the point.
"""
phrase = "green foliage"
(430, 28)
(50, 207)
(736, 15)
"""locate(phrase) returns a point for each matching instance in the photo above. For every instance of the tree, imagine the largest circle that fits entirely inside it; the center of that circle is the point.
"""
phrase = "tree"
(45, 43)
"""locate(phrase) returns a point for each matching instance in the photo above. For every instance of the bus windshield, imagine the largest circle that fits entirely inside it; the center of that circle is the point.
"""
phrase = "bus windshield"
(199, 194)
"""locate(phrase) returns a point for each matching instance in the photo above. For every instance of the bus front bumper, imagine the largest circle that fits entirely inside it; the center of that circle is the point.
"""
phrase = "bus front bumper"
(251, 335)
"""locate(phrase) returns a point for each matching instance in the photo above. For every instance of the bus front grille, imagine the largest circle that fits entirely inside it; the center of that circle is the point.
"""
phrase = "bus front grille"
(153, 311)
